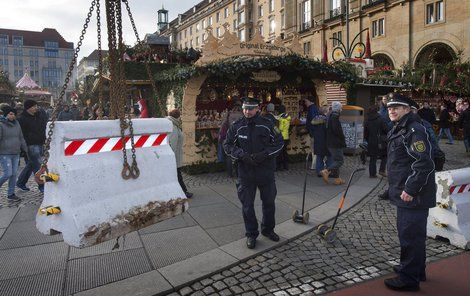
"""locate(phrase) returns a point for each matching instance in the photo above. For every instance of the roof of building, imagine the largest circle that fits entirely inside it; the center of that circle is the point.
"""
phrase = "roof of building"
(190, 12)
(33, 38)
(94, 54)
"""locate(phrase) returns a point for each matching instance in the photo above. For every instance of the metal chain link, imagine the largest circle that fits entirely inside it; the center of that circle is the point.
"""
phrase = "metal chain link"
(100, 61)
(55, 112)
(161, 106)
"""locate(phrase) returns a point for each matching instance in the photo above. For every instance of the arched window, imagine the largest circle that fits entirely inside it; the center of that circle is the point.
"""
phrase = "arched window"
(439, 53)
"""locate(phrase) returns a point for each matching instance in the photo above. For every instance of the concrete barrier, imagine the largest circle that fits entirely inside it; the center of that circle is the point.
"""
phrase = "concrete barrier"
(91, 203)
(451, 218)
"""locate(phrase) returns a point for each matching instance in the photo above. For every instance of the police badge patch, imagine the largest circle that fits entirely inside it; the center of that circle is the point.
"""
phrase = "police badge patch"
(419, 146)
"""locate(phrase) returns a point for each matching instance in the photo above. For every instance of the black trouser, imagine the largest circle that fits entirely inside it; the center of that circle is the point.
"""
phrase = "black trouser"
(282, 159)
(246, 193)
(373, 165)
(411, 226)
(180, 180)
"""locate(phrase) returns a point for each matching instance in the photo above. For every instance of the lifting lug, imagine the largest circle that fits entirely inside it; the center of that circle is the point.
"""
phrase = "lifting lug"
(49, 211)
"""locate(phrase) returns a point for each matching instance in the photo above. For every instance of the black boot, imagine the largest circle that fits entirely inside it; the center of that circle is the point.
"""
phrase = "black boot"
(398, 285)
(251, 242)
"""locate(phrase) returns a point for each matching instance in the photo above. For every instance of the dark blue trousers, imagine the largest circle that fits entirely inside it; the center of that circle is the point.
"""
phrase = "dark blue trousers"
(246, 193)
(411, 226)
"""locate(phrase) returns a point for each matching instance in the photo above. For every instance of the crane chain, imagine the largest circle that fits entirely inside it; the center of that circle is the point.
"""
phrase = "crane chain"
(161, 106)
(100, 61)
(55, 112)
(118, 86)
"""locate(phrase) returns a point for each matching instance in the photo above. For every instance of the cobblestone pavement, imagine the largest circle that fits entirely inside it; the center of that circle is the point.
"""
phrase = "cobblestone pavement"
(367, 248)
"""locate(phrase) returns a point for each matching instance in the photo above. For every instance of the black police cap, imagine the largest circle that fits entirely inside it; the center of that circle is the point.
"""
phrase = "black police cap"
(250, 103)
(399, 100)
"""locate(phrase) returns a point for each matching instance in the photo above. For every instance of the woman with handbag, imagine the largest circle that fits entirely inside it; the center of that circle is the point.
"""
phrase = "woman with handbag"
(375, 132)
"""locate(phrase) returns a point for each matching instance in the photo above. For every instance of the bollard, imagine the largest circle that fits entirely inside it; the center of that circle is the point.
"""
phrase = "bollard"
(451, 218)
(91, 202)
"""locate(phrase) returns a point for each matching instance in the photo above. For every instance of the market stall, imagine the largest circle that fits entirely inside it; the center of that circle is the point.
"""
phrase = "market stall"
(230, 69)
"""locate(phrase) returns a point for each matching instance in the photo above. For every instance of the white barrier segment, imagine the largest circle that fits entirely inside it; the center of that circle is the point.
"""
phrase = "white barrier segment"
(451, 219)
(96, 203)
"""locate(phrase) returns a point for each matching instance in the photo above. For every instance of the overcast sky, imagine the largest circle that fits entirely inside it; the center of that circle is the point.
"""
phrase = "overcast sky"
(68, 17)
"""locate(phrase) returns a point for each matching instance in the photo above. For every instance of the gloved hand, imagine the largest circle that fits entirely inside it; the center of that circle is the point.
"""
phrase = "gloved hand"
(247, 159)
(259, 157)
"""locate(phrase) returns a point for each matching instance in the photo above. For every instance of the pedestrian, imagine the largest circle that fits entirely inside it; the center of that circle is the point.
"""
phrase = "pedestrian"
(426, 113)
(11, 144)
(335, 142)
(319, 141)
(412, 190)
(75, 112)
(232, 115)
(65, 114)
(254, 143)
(437, 155)
(464, 122)
(383, 109)
(312, 111)
(270, 114)
(33, 123)
(445, 124)
(284, 126)
(176, 139)
(375, 132)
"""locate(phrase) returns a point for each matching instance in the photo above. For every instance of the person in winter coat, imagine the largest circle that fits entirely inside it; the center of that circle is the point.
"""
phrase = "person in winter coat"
(11, 144)
(412, 189)
(65, 114)
(464, 121)
(336, 142)
(445, 124)
(254, 142)
(176, 139)
(269, 114)
(312, 111)
(33, 123)
(426, 113)
(319, 141)
(375, 132)
(284, 125)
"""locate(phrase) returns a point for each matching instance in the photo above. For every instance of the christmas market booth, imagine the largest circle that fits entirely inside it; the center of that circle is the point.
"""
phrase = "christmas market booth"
(229, 69)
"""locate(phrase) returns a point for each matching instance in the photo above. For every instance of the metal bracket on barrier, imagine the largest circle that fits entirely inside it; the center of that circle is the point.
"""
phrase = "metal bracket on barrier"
(443, 205)
(440, 224)
(50, 177)
(49, 211)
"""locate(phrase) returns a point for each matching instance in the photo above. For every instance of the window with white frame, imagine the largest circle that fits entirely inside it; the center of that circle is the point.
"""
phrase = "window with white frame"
(234, 29)
(260, 10)
(226, 12)
(210, 21)
(217, 17)
(378, 28)
(435, 12)
(337, 37)
(335, 8)
(306, 15)
(261, 30)
(217, 31)
(185, 33)
(204, 24)
(241, 17)
(272, 26)
(283, 20)
(190, 30)
(203, 37)
(197, 41)
(307, 48)
(271, 5)
(197, 27)
(241, 35)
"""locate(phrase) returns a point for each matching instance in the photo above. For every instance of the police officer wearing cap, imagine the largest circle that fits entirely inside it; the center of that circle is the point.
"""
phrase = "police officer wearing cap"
(254, 142)
(412, 190)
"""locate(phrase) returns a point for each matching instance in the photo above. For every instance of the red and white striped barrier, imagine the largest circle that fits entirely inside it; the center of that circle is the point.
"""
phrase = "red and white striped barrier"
(89, 146)
(459, 189)
(451, 218)
(91, 202)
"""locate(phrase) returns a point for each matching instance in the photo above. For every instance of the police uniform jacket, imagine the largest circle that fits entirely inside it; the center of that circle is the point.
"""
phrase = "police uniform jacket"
(251, 136)
(410, 165)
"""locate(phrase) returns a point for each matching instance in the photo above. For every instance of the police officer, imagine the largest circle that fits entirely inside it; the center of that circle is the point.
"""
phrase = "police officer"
(254, 142)
(412, 190)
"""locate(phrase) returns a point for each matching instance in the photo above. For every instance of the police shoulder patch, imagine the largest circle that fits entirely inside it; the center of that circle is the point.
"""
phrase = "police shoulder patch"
(419, 146)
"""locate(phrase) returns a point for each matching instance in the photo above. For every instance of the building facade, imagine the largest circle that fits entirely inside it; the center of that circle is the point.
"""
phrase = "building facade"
(88, 65)
(401, 31)
(46, 55)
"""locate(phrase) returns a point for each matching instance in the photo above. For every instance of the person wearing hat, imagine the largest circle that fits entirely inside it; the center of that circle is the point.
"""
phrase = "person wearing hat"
(11, 144)
(412, 189)
(254, 143)
(33, 123)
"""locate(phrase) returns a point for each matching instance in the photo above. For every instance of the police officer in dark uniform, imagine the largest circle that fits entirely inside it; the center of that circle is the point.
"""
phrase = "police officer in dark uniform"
(254, 142)
(412, 190)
